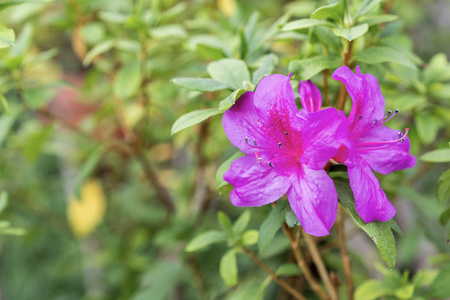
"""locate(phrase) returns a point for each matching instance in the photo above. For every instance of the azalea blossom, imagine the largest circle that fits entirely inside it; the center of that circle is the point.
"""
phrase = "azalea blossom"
(374, 146)
(310, 96)
(286, 151)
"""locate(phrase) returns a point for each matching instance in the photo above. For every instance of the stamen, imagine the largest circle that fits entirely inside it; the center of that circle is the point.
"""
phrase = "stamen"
(399, 135)
(382, 144)
(285, 133)
(254, 142)
(270, 164)
(279, 145)
(246, 139)
(375, 122)
(388, 113)
(360, 117)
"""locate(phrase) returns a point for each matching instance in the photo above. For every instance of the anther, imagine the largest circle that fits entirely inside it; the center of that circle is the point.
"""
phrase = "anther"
(246, 139)
(396, 111)
(388, 113)
(279, 145)
(270, 164)
(399, 135)
(254, 142)
(285, 133)
(375, 122)
(360, 117)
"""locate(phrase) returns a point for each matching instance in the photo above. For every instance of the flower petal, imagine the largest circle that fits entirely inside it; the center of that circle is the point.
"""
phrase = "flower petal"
(313, 199)
(254, 184)
(241, 122)
(386, 160)
(370, 200)
(310, 96)
(368, 101)
(322, 134)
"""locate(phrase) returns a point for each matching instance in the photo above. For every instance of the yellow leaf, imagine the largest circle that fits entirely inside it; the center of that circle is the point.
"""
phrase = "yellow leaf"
(227, 7)
(86, 213)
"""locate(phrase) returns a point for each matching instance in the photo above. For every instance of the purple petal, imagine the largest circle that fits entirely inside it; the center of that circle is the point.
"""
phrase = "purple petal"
(323, 133)
(254, 184)
(370, 200)
(313, 199)
(274, 95)
(385, 160)
(368, 101)
(241, 122)
(310, 96)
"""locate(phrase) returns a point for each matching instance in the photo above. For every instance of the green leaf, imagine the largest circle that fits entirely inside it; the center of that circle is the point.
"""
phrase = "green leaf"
(230, 71)
(437, 69)
(229, 101)
(405, 291)
(305, 23)
(88, 166)
(377, 19)
(445, 217)
(200, 84)
(333, 11)
(267, 65)
(289, 269)
(250, 237)
(101, 48)
(291, 218)
(5, 124)
(394, 226)
(351, 33)
(35, 142)
(169, 31)
(127, 80)
(3, 201)
(381, 54)
(38, 96)
(5, 104)
(225, 166)
(271, 225)
(366, 7)
(24, 40)
(372, 289)
(6, 3)
(437, 156)
(443, 188)
(379, 232)
(440, 288)
(241, 223)
(427, 127)
(308, 67)
(228, 268)
(194, 117)
(210, 52)
(225, 222)
(205, 239)
(7, 36)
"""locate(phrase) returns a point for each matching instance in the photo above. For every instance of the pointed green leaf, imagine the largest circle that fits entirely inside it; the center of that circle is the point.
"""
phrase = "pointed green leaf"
(267, 65)
(127, 80)
(351, 33)
(437, 156)
(291, 218)
(3, 201)
(200, 84)
(271, 225)
(372, 289)
(98, 49)
(366, 7)
(205, 239)
(230, 71)
(306, 23)
(35, 142)
(381, 54)
(379, 232)
(228, 268)
(194, 117)
(377, 19)
(7, 36)
(229, 101)
(250, 237)
(445, 217)
(241, 223)
(289, 269)
(308, 67)
(225, 222)
(5, 104)
(333, 11)
(427, 127)
(443, 188)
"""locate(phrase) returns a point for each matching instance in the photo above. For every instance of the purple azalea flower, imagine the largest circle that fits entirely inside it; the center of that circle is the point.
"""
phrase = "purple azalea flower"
(310, 96)
(374, 146)
(286, 151)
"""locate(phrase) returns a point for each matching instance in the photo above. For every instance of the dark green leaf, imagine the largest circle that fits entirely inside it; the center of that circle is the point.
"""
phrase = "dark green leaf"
(228, 268)
(445, 217)
(379, 232)
(271, 225)
(289, 269)
(230, 71)
(225, 166)
(307, 68)
(437, 156)
(394, 226)
(305, 23)
(267, 65)
(377, 19)
(38, 96)
(3, 201)
(200, 84)
(351, 33)
(205, 239)
(333, 11)
(127, 80)
(194, 117)
(443, 188)
(440, 288)
(366, 7)
(241, 223)
(291, 218)
(381, 54)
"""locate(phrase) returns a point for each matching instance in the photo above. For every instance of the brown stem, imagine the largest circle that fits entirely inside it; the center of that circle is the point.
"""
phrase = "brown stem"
(320, 266)
(274, 276)
(302, 262)
(344, 253)
(325, 86)
(161, 191)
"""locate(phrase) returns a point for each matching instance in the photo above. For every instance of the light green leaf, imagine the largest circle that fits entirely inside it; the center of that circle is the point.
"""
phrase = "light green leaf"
(440, 288)
(241, 223)
(437, 156)
(225, 222)
(351, 33)
(366, 7)
(289, 269)
(225, 166)
(405, 291)
(371, 290)
(24, 40)
(306, 23)
(169, 31)
(427, 127)
(250, 237)
(333, 11)
(35, 142)
(194, 117)
(5, 104)
(210, 52)
(228, 268)
(379, 232)
(437, 70)
(272, 224)
(200, 84)
(230, 71)
(5, 124)
(229, 101)
(381, 54)
(205, 239)
(443, 188)
(101, 48)
(3, 201)
(127, 80)
(308, 67)
(377, 19)
(7, 36)
(267, 65)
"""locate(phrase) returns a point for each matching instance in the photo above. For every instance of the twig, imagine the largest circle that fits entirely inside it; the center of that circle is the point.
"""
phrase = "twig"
(274, 276)
(320, 266)
(302, 263)
(325, 86)
(344, 253)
